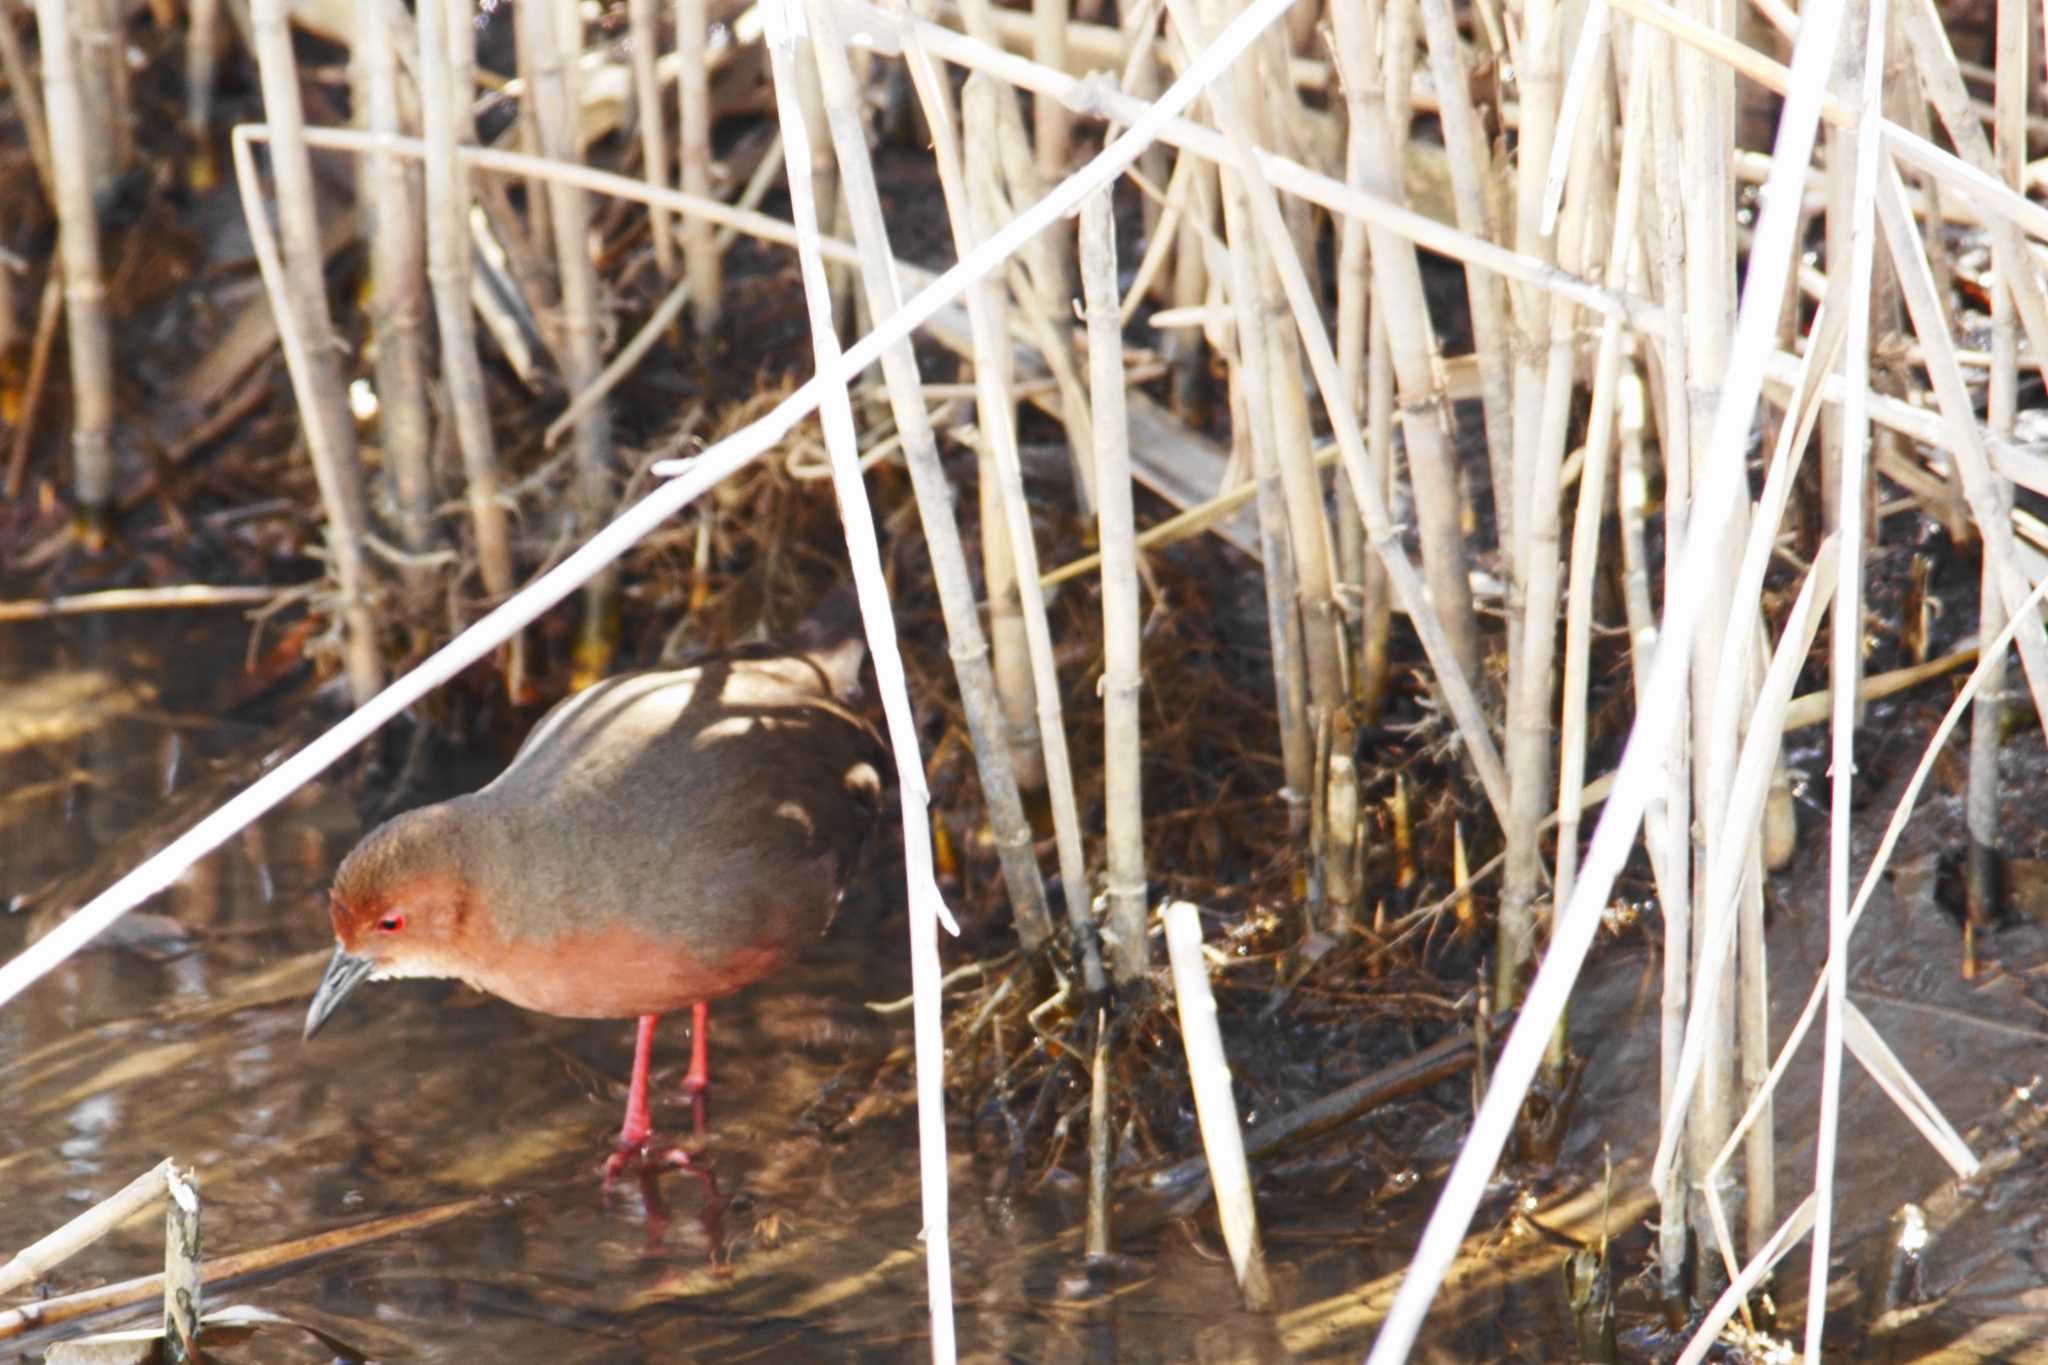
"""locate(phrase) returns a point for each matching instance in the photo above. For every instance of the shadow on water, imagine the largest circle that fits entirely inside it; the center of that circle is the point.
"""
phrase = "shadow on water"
(182, 1040)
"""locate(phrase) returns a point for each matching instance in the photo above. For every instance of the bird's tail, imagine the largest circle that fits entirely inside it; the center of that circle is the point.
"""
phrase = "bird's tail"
(833, 638)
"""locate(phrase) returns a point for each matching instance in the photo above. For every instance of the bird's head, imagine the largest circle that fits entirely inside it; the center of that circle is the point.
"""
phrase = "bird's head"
(401, 907)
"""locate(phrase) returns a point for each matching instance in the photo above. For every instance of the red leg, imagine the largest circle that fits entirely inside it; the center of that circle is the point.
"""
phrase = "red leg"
(697, 1085)
(639, 1125)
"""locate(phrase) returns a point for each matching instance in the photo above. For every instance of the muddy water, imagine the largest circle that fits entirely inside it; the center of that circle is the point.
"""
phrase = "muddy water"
(182, 1040)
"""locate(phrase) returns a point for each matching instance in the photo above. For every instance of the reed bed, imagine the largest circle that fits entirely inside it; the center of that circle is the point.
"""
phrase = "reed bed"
(1659, 479)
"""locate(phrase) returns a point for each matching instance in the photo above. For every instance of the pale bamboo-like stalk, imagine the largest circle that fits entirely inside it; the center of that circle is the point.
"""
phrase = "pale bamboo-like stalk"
(99, 67)
(541, 31)
(88, 329)
(643, 25)
(787, 52)
(298, 292)
(1397, 287)
(1876, 178)
(1707, 130)
(397, 302)
(702, 257)
(202, 49)
(1981, 800)
(1747, 584)
(1215, 1108)
(1008, 638)
(28, 103)
(1051, 124)
(1127, 946)
(182, 1290)
(1012, 520)
(1253, 392)
(1263, 320)
(448, 276)
(1539, 460)
(1354, 329)
(1376, 607)
(1588, 520)
(968, 645)
(1041, 284)
(1137, 24)
(539, 217)
(1097, 1240)
(47, 1252)
(1470, 160)
(1185, 348)
(1667, 237)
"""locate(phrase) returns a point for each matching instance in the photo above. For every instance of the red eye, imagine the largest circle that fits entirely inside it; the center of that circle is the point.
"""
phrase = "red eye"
(390, 924)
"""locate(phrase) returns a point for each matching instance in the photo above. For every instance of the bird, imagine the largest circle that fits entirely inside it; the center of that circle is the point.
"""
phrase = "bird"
(661, 839)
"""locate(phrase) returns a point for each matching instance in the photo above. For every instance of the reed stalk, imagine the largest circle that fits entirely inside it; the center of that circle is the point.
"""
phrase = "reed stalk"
(542, 31)
(397, 295)
(1981, 871)
(701, 255)
(443, 103)
(1126, 943)
(88, 329)
(1009, 639)
(298, 293)
(1006, 515)
(1215, 1108)
(643, 27)
(202, 49)
(1255, 392)
(99, 63)
(27, 99)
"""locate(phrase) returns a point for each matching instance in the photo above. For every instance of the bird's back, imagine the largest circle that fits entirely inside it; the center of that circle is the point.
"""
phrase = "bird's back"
(717, 804)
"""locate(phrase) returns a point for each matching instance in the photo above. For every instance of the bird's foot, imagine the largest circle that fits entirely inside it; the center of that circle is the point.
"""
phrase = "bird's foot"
(640, 1150)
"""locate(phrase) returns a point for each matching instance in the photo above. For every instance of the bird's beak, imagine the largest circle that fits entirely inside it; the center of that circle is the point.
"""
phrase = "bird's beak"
(345, 971)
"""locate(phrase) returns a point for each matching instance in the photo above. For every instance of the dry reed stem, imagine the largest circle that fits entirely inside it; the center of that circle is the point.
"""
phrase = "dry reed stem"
(182, 1274)
(47, 1252)
(1255, 392)
(1875, 177)
(448, 278)
(1215, 1109)
(397, 308)
(88, 330)
(298, 294)
(1006, 520)
(70, 1307)
(28, 103)
(702, 254)
(1126, 943)
(545, 33)
(1952, 396)
(643, 26)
